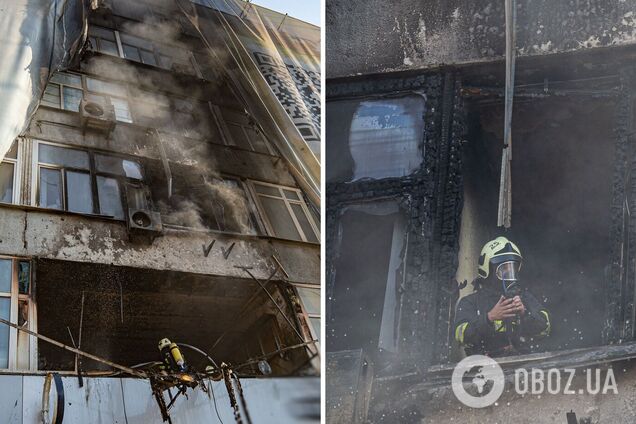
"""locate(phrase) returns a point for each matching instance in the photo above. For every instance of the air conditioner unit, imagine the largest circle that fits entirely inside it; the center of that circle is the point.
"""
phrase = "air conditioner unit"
(143, 220)
(97, 114)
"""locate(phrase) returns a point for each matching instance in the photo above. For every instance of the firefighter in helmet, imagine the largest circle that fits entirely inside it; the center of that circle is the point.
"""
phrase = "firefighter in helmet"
(499, 318)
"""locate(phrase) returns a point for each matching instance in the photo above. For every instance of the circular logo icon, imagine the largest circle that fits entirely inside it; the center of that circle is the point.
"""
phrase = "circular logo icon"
(486, 378)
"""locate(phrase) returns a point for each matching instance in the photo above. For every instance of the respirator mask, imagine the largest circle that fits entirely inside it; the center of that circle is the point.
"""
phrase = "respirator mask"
(508, 273)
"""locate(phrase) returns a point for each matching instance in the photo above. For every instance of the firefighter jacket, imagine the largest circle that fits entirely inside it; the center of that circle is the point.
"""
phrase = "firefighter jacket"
(478, 335)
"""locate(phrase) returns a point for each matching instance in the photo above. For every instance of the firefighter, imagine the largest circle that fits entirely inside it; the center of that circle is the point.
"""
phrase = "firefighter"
(499, 318)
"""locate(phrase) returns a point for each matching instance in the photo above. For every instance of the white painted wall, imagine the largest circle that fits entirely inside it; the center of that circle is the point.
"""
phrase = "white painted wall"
(130, 401)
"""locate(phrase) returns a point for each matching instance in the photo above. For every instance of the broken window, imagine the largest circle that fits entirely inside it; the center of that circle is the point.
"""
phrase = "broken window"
(285, 213)
(117, 94)
(9, 183)
(103, 40)
(563, 175)
(64, 91)
(17, 349)
(217, 203)
(66, 180)
(366, 299)
(377, 138)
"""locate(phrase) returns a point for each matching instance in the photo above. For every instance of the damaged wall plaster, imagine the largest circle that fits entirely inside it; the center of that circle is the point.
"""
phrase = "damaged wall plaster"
(76, 238)
(413, 35)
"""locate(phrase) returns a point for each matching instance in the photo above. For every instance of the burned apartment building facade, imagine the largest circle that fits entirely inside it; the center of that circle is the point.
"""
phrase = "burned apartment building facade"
(414, 123)
(149, 198)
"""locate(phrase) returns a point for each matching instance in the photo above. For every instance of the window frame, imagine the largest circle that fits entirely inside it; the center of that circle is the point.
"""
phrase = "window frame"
(223, 126)
(93, 174)
(156, 51)
(17, 173)
(265, 219)
(15, 298)
(308, 315)
(61, 86)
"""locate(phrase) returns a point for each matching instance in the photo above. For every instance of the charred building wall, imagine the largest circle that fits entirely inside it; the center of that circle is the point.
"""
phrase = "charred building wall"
(146, 201)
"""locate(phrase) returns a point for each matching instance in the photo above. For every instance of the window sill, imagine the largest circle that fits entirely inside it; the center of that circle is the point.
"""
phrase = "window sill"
(28, 208)
(179, 228)
(440, 375)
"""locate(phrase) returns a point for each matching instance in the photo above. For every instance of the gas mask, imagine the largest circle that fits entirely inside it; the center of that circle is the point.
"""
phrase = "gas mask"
(508, 273)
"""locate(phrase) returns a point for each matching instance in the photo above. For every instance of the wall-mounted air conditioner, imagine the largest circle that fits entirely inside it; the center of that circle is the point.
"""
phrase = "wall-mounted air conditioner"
(144, 224)
(143, 220)
(97, 114)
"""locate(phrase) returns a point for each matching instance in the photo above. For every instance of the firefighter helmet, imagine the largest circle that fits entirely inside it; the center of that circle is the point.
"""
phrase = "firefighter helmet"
(496, 252)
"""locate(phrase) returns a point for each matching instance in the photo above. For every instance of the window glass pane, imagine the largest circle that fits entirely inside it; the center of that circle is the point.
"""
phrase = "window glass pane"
(67, 79)
(50, 188)
(291, 194)
(256, 139)
(109, 197)
(122, 111)
(108, 47)
(148, 57)
(279, 217)
(137, 198)
(51, 95)
(6, 182)
(269, 190)
(118, 166)
(24, 276)
(6, 275)
(385, 137)
(13, 151)
(238, 136)
(131, 53)
(72, 98)
(310, 298)
(135, 41)
(102, 33)
(304, 223)
(23, 358)
(78, 190)
(63, 156)
(105, 87)
(375, 138)
(5, 313)
(315, 323)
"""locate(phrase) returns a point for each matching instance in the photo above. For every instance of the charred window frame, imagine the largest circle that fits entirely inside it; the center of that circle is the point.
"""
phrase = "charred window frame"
(284, 212)
(18, 350)
(103, 176)
(241, 130)
(10, 168)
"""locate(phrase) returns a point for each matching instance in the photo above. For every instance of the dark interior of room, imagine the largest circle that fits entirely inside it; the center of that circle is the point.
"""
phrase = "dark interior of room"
(562, 171)
(128, 310)
(362, 266)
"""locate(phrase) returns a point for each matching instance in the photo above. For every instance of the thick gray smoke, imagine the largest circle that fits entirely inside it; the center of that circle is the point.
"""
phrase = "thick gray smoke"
(186, 126)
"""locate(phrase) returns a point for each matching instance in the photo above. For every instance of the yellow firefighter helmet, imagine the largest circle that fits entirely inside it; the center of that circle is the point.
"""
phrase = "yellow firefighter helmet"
(496, 252)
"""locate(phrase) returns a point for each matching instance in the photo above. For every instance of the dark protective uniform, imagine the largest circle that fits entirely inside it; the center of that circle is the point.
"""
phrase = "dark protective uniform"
(478, 335)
